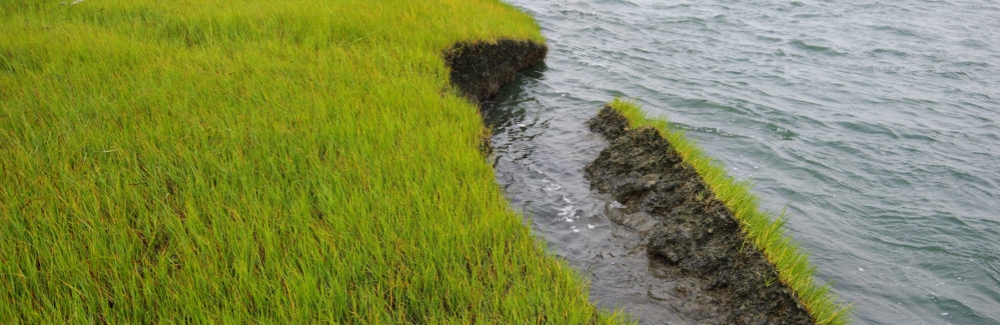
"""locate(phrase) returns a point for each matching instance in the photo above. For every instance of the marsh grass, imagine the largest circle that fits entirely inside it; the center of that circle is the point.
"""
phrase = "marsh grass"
(248, 161)
(762, 231)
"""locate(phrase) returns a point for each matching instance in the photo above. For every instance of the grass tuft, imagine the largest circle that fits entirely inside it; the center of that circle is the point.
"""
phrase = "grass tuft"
(762, 231)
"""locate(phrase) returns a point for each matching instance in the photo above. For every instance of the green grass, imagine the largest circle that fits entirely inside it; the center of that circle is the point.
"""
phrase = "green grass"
(762, 231)
(250, 161)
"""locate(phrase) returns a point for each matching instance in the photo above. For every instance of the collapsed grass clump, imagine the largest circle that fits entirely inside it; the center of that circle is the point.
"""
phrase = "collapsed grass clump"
(763, 232)
(258, 162)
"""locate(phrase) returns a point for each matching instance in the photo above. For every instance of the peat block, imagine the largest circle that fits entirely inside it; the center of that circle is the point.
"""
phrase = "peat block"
(479, 69)
(695, 238)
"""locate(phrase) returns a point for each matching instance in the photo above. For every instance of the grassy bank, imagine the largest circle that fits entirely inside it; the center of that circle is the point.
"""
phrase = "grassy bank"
(762, 231)
(257, 162)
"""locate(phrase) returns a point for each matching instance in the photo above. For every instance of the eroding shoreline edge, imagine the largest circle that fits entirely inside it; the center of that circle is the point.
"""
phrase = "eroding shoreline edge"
(734, 260)
(722, 267)
(479, 69)
(691, 233)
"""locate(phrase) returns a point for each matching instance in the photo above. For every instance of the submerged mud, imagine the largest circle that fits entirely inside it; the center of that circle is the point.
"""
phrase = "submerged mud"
(479, 69)
(691, 238)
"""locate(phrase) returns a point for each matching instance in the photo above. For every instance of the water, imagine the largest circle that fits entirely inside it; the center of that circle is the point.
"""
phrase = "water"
(875, 122)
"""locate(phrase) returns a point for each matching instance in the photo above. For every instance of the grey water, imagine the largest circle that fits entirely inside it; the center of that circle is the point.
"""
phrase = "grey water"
(874, 122)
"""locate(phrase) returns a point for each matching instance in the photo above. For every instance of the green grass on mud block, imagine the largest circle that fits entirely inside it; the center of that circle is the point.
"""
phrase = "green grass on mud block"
(764, 232)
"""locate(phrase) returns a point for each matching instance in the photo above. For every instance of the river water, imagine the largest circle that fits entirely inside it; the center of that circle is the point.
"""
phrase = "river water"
(874, 122)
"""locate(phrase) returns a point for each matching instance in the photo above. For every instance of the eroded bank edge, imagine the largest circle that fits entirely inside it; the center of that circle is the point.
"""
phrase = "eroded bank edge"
(761, 231)
(479, 69)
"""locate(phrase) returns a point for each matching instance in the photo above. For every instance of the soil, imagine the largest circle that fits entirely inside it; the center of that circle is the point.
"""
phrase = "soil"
(479, 69)
(691, 238)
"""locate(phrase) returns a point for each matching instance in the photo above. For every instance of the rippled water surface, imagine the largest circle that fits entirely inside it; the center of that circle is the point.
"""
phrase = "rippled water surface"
(876, 123)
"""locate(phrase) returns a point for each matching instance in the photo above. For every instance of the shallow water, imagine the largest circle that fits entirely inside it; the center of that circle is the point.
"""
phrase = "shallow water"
(875, 123)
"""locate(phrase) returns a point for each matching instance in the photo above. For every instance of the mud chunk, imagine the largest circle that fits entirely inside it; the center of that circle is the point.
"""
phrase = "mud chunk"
(694, 238)
(608, 123)
(479, 69)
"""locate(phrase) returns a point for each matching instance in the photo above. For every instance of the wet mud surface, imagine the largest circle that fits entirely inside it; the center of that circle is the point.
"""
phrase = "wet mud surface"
(692, 240)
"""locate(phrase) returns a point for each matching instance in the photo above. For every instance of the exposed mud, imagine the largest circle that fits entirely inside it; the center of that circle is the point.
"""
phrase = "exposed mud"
(691, 238)
(479, 69)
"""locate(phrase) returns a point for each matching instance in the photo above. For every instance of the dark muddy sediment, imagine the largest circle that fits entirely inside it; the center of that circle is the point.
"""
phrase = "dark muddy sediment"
(689, 234)
(479, 69)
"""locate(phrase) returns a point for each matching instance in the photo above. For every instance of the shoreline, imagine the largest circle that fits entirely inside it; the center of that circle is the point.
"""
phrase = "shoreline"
(480, 68)
(684, 225)
(686, 199)
(686, 230)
